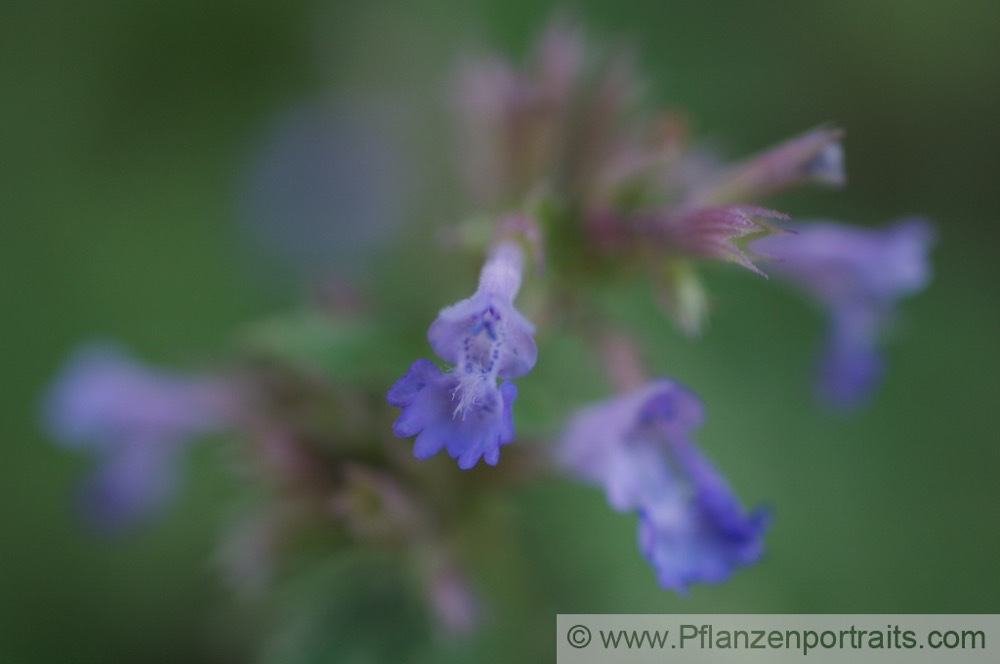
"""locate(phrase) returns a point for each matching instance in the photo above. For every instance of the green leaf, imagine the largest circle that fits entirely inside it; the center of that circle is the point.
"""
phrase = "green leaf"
(348, 349)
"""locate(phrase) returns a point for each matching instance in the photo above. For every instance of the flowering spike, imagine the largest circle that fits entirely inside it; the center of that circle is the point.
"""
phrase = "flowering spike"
(638, 447)
(857, 274)
(137, 419)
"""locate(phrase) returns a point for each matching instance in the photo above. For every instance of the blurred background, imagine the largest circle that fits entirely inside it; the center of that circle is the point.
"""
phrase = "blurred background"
(131, 135)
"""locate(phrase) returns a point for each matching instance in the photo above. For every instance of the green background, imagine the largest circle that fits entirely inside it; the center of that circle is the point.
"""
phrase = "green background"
(124, 127)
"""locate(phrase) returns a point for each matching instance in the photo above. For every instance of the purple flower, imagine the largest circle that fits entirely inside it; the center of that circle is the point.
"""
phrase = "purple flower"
(324, 187)
(484, 335)
(428, 399)
(463, 410)
(638, 447)
(857, 274)
(136, 419)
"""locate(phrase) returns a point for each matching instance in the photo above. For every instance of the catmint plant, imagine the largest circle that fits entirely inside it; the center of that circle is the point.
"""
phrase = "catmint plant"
(574, 185)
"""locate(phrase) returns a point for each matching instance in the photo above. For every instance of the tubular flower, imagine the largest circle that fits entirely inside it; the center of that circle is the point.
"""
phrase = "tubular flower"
(137, 420)
(857, 274)
(486, 339)
(638, 447)
(815, 156)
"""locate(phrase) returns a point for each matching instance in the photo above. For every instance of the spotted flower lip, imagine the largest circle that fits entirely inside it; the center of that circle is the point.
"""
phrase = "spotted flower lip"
(138, 420)
(857, 275)
(638, 447)
(430, 412)
(485, 333)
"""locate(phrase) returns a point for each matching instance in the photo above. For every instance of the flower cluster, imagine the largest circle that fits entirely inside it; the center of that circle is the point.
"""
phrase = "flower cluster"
(565, 169)
(605, 188)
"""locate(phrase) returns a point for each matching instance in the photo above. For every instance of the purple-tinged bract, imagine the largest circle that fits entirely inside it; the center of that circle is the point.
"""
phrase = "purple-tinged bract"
(638, 447)
(712, 232)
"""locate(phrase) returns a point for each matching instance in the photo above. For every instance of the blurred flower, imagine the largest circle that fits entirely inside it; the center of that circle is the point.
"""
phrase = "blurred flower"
(456, 607)
(638, 447)
(857, 274)
(136, 419)
(325, 187)
(486, 338)
(513, 122)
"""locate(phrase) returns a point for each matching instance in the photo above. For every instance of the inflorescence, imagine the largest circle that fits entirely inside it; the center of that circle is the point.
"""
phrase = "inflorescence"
(578, 187)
